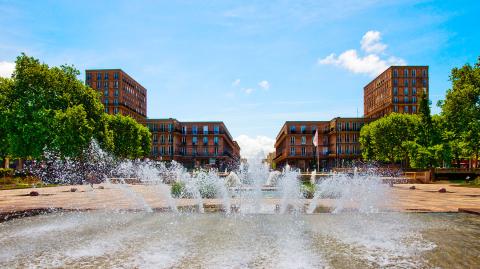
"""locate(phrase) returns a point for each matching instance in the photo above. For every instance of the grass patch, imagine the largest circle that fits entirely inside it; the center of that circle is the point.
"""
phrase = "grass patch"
(12, 183)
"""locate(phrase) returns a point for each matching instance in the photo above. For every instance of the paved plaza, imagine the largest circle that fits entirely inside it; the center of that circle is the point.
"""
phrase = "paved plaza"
(424, 198)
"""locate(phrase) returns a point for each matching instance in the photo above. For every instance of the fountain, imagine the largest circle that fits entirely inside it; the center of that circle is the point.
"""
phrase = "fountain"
(249, 228)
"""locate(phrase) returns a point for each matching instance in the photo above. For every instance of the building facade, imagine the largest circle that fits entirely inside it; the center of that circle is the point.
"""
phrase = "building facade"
(120, 93)
(194, 144)
(338, 144)
(397, 89)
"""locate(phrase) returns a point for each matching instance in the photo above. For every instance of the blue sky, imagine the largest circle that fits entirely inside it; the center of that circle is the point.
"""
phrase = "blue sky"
(252, 64)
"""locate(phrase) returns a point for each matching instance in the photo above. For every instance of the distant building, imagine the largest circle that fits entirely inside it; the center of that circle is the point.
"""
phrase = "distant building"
(338, 144)
(397, 89)
(120, 93)
(194, 144)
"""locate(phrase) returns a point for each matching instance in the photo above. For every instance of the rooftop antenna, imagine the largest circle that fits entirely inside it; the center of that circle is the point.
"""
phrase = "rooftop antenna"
(357, 111)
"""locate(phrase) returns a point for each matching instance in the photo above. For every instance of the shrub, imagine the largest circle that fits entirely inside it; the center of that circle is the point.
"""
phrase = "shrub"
(177, 189)
(6, 172)
(308, 190)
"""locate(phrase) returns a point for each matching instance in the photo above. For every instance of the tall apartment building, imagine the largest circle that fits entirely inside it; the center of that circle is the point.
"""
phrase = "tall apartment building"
(338, 143)
(397, 89)
(193, 144)
(120, 93)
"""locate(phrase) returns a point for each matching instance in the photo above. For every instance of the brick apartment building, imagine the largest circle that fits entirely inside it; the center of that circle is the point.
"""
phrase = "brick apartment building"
(397, 89)
(120, 93)
(193, 144)
(338, 143)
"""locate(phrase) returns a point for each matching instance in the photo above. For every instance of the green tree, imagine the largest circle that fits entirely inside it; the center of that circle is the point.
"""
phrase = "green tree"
(42, 106)
(6, 86)
(388, 138)
(131, 139)
(461, 109)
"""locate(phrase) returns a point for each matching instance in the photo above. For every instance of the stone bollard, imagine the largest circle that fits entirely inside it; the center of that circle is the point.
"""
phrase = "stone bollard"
(101, 187)
(442, 190)
(34, 193)
(73, 189)
(412, 188)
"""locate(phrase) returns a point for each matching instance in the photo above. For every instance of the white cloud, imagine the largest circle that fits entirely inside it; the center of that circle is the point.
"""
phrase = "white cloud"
(254, 147)
(264, 84)
(248, 90)
(371, 42)
(6, 69)
(373, 63)
(236, 82)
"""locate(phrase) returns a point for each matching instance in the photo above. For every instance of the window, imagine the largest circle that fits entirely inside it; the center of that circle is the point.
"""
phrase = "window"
(116, 92)
(170, 127)
(194, 140)
(205, 140)
(395, 109)
(184, 129)
(304, 140)
(162, 139)
(115, 84)
(395, 82)
(216, 129)
(347, 126)
(304, 151)
(99, 76)
(106, 110)
(105, 92)
(106, 102)
(303, 129)
(405, 99)
(395, 73)
(215, 140)
(414, 99)
(414, 82)
(99, 84)
(414, 73)
(216, 150)
(405, 91)
(115, 110)
(170, 138)
(424, 83)
(205, 151)
(155, 138)
(395, 100)
(292, 151)
(292, 129)
(414, 91)
(105, 84)
(395, 91)
(184, 140)
(115, 76)
(424, 73)
(106, 76)
(405, 109)
(89, 76)
(162, 151)
(405, 73)
(292, 140)
(194, 129)
(115, 101)
(205, 129)
(314, 129)
(414, 109)
(405, 82)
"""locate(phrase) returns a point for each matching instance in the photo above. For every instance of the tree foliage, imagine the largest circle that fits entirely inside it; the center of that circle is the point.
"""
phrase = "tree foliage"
(46, 108)
(131, 139)
(386, 138)
(461, 109)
